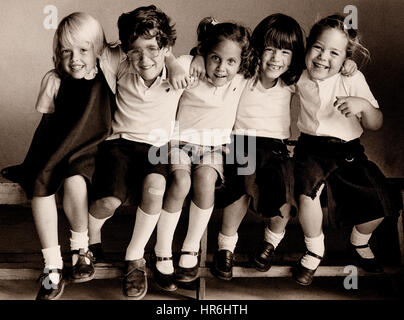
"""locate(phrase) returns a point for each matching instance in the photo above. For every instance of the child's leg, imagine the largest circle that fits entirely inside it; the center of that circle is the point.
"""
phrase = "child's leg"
(147, 215)
(273, 235)
(173, 203)
(360, 236)
(233, 214)
(75, 204)
(204, 180)
(44, 211)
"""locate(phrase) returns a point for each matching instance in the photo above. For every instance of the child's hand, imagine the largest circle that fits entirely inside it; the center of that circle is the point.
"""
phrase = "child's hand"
(177, 76)
(197, 68)
(349, 68)
(351, 106)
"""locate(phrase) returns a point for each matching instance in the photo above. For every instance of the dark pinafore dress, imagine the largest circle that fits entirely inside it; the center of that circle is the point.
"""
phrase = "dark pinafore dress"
(65, 142)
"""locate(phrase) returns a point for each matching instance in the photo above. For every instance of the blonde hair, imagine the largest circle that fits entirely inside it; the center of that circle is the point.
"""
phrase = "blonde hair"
(77, 27)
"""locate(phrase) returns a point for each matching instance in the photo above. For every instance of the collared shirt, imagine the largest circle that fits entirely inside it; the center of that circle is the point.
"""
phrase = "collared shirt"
(267, 111)
(145, 114)
(206, 113)
(319, 117)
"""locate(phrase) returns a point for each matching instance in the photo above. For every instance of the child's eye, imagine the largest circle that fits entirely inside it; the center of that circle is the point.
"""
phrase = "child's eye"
(215, 58)
(286, 52)
(316, 46)
(335, 53)
(65, 51)
(232, 62)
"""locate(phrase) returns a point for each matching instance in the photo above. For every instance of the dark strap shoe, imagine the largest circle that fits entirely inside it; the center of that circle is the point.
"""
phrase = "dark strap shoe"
(135, 279)
(83, 271)
(263, 256)
(222, 266)
(98, 252)
(164, 281)
(187, 274)
(303, 275)
(50, 290)
(370, 264)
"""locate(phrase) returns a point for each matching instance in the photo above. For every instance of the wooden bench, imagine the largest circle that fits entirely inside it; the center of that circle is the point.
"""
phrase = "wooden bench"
(11, 194)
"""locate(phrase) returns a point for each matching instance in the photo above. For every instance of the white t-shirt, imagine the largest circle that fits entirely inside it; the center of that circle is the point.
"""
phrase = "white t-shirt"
(319, 117)
(206, 113)
(267, 111)
(145, 114)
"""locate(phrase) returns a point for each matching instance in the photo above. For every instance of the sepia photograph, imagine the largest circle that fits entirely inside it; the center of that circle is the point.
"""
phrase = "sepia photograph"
(207, 159)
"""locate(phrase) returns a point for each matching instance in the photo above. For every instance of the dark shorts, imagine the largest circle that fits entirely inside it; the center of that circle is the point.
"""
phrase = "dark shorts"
(356, 191)
(269, 179)
(121, 166)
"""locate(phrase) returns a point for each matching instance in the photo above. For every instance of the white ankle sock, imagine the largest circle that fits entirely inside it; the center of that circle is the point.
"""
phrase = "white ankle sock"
(227, 242)
(358, 239)
(94, 228)
(315, 245)
(79, 240)
(144, 226)
(53, 260)
(198, 221)
(165, 233)
(272, 237)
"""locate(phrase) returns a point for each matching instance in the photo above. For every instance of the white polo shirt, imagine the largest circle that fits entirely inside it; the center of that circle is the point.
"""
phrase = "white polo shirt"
(319, 117)
(206, 113)
(145, 114)
(267, 111)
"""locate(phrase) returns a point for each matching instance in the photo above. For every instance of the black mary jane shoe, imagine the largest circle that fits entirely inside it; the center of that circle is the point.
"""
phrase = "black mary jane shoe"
(83, 271)
(369, 265)
(303, 275)
(164, 281)
(50, 290)
(222, 266)
(263, 256)
(187, 274)
(135, 279)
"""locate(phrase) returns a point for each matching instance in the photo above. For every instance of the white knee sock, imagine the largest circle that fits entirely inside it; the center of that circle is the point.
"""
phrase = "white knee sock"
(165, 233)
(79, 240)
(272, 237)
(53, 259)
(358, 239)
(227, 242)
(94, 228)
(144, 226)
(198, 221)
(315, 245)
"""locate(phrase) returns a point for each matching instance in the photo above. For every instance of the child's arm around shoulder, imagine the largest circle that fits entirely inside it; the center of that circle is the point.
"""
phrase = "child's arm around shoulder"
(47, 94)
(360, 102)
(179, 77)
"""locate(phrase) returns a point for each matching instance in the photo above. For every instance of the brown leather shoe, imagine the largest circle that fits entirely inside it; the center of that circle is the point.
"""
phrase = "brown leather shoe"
(83, 271)
(222, 266)
(135, 279)
(263, 256)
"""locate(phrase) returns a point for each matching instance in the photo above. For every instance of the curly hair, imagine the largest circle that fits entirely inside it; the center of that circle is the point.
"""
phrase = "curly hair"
(283, 32)
(147, 22)
(210, 33)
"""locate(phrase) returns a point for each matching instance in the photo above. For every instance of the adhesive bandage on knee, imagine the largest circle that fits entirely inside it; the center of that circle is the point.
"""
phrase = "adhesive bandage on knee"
(155, 191)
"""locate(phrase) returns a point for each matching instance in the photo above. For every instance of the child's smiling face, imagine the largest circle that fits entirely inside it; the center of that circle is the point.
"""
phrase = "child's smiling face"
(274, 63)
(147, 58)
(78, 59)
(223, 62)
(327, 54)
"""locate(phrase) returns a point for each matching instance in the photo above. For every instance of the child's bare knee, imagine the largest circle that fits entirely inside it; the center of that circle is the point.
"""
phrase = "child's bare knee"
(104, 207)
